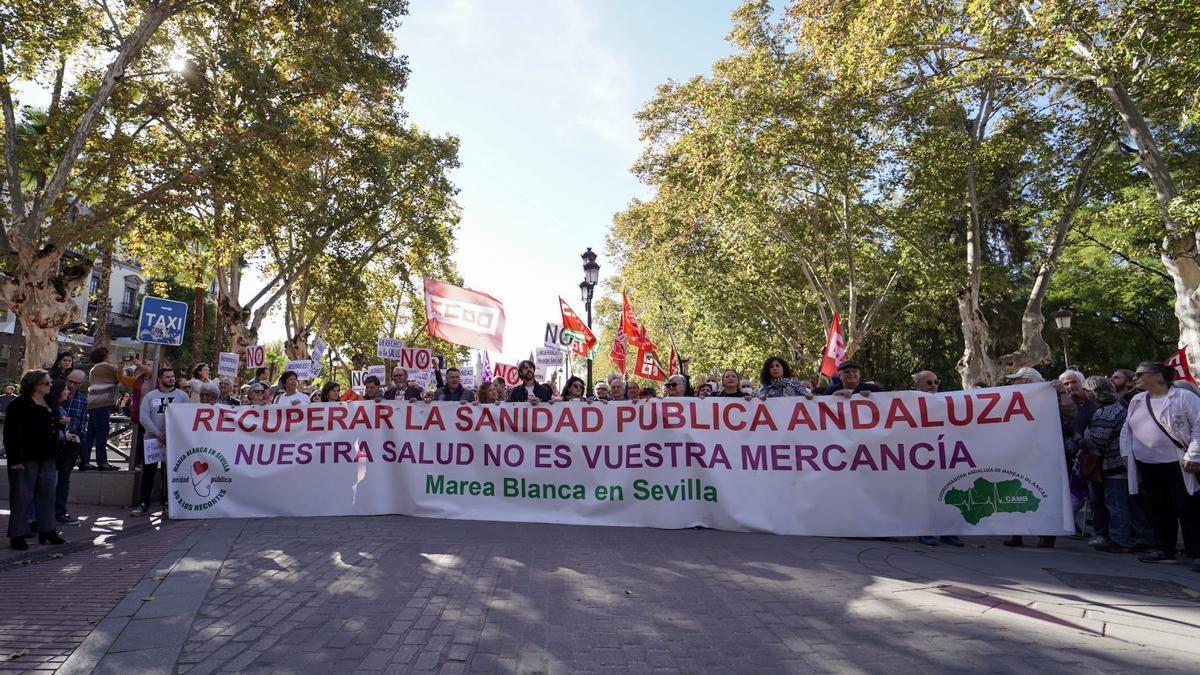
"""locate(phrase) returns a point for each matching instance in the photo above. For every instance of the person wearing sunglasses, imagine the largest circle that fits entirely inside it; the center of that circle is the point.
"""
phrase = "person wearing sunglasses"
(31, 430)
(1161, 446)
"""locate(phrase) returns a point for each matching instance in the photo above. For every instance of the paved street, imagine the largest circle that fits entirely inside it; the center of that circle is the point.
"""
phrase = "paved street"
(396, 594)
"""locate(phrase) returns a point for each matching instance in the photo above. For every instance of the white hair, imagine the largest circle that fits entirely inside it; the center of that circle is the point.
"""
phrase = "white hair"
(1071, 375)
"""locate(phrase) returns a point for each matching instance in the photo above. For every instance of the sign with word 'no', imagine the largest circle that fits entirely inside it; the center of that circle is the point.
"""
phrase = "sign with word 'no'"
(162, 321)
(556, 338)
(256, 356)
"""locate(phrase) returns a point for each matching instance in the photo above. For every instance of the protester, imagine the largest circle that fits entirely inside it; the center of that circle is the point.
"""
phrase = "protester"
(9, 396)
(289, 383)
(731, 385)
(260, 377)
(486, 393)
(1087, 484)
(258, 394)
(64, 363)
(144, 382)
(402, 389)
(453, 389)
(675, 386)
(372, 390)
(153, 418)
(926, 381)
(102, 397)
(200, 376)
(633, 391)
(776, 380)
(850, 382)
(574, 390)
(602, 392)
(747, 387)
(529, 390)
(1161, 440)
(1126, 384)
(616, 390)
(31, 443)
(225, 389)
(331, 392)
(209, 391)
(74, 407)
(1128, 528)
(1066, 412)
(648, 391)
(704, 390)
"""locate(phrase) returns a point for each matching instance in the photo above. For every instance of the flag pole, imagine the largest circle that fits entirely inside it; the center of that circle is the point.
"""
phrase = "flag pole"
(670, 333)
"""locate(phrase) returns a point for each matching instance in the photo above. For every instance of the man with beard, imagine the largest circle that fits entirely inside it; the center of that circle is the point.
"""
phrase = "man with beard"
(529, 390)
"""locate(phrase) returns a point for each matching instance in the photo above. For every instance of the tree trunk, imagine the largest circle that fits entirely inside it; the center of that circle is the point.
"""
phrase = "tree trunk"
(198, 319)
(1179, 244)
(40, 295)
(103, 300)
(242, 334)
(296, 347)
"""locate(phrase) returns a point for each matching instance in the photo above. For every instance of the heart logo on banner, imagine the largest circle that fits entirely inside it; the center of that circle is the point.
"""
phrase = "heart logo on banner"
(199, 467)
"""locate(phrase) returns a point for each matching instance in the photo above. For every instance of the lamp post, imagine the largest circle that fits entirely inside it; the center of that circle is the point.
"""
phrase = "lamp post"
(587, 288)
(1062, 319)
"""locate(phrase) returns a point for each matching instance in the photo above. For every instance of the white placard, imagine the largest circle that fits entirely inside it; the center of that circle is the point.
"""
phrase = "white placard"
(227, 365)
(302, 368)
(256, 356)
(556, 338)
(153, 451)
(378, 371)
(547, 357)
(389, 348)
(357, 377)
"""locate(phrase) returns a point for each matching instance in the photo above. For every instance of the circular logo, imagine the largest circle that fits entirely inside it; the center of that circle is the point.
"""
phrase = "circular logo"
(984, 492)
(199, 479)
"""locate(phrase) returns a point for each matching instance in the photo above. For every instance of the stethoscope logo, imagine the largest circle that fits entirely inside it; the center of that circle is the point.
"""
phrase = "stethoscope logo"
(198, 470)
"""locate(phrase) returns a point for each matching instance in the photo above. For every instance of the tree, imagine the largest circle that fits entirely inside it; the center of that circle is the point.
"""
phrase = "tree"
(49, 214)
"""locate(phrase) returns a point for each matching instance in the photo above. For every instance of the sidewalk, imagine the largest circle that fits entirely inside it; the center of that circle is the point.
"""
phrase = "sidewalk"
(397, 594)
(52, 597)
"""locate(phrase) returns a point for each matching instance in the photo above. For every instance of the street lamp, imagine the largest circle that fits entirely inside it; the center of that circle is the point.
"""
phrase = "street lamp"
(1062, 319)
(587, 288)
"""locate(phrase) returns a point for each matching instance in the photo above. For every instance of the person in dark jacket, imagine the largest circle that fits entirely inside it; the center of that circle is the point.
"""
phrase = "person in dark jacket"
(453, 389)
(1128, 528)
(31, 431)
(529, 391)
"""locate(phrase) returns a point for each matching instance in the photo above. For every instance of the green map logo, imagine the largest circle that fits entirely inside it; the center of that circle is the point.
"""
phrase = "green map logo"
(1009, 493)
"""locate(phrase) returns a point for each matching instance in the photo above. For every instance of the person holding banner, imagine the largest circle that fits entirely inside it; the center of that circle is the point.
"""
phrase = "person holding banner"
(258, 394)
(731, 385)
(1161, 445)
(153, 417)
(372, 390)
(402, 389)
(529, 391)
(331, 392)
(225, 388)
(453, 389)
(486, 393)
(574, 390)
(291, 394)
(776, 380)
(602, 393)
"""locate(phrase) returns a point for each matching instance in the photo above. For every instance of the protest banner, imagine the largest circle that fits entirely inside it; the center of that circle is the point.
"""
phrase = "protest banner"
(412, 359)
(984, 461)
(318, 353)
(556, 338)
(388, 348)
(509, 373)
(227, 364)
(379, 371)
(548, 357)
(356, 381)
(256, 356)
(302, 368)
(463, 317)
(153, 451)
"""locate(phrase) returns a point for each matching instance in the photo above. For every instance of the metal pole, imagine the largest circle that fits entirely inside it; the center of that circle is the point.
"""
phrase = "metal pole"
(588, 304)
(1066, 356)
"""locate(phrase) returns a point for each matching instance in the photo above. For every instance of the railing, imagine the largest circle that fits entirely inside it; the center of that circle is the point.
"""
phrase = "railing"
(120, 438)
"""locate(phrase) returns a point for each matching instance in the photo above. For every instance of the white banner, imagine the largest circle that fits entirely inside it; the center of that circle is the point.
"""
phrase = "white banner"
(981, 462)
(227, 364)
(356, 381)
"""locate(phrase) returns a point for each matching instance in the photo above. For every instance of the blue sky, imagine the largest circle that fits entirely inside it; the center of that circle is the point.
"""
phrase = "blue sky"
(541, 94)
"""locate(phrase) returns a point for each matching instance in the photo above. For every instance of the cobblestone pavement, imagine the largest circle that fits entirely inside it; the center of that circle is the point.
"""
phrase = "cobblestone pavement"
(52, 597)
(396, 594)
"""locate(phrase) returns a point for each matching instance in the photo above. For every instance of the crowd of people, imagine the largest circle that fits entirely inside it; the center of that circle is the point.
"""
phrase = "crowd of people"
(1131, 440)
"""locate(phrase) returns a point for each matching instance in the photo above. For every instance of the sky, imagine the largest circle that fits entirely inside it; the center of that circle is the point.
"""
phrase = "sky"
(542, 96)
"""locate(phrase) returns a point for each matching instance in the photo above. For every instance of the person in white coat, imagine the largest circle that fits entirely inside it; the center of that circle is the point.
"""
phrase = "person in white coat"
(1160, 443)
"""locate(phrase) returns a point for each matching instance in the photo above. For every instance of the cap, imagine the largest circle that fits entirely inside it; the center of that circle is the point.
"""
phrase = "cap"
(847, 365)
(1026, 373)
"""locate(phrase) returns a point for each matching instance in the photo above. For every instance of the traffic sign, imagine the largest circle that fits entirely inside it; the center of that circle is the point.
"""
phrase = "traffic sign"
(162, 321)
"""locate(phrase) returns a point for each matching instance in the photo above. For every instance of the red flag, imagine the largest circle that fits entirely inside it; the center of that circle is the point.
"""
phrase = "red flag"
(618, 351)
(835, 349)
(509, 373)
(1180, 363)
(635, 333)
(583, 340)
(464, 317)
(673, 363)
(647, 365)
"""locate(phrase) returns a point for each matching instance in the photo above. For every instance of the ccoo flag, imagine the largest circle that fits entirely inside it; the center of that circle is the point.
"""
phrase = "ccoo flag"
(463, 316)
(835, 349)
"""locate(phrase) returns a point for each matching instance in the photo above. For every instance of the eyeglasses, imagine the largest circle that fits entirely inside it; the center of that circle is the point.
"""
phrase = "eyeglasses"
(1141, 373)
